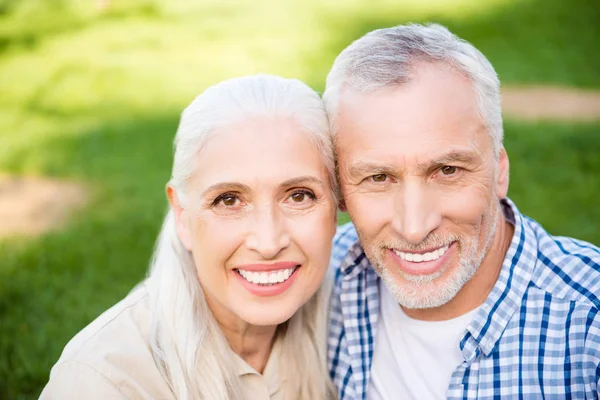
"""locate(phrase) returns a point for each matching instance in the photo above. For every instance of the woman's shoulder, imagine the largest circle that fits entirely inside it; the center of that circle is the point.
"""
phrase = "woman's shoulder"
(112, 353)
(118, 328)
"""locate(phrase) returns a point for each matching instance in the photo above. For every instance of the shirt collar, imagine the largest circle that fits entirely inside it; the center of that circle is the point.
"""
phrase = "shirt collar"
(506, 295)
(271, 371)
(355, 262)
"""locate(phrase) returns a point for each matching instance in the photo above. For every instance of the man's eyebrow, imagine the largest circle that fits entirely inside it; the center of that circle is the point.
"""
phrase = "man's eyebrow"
(461, 156)
(360, 169)
(226, 186)
(467, 157)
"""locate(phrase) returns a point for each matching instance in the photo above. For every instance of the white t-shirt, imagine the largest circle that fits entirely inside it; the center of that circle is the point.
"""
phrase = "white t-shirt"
(413, 359)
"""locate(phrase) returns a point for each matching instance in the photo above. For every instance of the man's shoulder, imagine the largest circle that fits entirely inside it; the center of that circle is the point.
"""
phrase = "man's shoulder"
(567, 268)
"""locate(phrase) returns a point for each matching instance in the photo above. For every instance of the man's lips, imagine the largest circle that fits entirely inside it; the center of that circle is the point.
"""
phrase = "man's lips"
(421, 256)
(422, 263)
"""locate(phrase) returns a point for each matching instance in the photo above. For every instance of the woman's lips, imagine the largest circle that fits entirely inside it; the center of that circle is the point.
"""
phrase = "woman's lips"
(267, 266)
(267, 279)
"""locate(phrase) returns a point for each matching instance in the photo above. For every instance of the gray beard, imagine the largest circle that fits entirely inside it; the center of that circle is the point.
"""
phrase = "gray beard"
(419, 292)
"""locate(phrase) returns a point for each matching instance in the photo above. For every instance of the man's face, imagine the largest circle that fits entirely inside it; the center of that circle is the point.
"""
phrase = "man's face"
(421, 183)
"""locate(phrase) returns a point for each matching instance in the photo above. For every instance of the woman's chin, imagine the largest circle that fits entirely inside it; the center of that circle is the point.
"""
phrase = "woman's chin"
(268, 316)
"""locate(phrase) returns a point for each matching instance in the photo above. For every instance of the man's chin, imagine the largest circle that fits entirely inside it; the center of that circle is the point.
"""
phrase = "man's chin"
(426, 291)
(422, 296)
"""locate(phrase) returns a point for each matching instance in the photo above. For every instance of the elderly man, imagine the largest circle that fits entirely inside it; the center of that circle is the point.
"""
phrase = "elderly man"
(443, 288)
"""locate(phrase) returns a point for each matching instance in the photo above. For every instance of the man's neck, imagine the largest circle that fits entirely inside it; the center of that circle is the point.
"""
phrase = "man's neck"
(476, 290)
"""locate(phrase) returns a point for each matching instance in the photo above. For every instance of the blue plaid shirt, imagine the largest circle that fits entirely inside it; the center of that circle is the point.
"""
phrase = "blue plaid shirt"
(537, 335)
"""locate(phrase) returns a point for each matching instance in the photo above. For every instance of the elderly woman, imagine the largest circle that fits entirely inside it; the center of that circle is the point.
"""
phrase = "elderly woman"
(233, 305)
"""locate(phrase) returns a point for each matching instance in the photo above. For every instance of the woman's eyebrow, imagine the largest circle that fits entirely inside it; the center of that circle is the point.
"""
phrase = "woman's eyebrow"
(302, 180)
(224, 186)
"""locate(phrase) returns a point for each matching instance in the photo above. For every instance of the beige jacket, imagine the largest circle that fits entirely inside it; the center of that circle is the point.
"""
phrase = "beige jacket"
(111, 359)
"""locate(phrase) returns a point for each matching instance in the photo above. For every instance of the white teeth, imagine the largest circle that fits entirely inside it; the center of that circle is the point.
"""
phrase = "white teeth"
(267, 278)
(416, 257)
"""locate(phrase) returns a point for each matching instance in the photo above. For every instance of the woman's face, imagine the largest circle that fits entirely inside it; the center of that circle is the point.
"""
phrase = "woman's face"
(259, 220)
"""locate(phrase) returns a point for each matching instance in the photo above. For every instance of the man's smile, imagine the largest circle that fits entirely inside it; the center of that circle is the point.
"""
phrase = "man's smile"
(421, 256)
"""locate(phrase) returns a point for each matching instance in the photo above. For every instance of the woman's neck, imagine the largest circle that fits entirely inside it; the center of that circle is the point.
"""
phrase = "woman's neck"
(251, 342)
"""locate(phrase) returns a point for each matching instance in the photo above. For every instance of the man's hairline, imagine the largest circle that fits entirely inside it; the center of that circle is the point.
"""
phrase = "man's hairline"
(391, 87)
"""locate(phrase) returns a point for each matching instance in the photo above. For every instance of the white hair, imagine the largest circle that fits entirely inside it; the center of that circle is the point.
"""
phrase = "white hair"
(187, 343)
(385, 58)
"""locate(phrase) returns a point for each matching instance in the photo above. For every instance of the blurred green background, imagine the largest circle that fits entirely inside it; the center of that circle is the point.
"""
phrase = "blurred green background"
(91, 91)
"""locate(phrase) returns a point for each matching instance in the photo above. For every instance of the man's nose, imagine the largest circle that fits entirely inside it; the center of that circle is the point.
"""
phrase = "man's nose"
(267, 235)
(416, 211)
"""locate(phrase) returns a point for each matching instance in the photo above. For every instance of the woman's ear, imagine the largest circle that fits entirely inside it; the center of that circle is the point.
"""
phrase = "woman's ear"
(182, 225)
(342, 205)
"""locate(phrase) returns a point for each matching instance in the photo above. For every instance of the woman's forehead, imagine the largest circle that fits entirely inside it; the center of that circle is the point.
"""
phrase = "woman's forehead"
(259, 150)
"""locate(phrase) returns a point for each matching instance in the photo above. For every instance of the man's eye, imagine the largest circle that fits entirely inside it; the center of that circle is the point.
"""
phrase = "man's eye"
(448, 170)
(379, 178)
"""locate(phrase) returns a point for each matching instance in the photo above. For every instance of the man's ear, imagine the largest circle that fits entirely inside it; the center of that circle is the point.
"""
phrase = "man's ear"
(503, 174)
(181, 218)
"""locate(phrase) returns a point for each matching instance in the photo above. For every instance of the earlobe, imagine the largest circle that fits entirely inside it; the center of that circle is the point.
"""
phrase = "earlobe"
(181, 220)
(503, 174)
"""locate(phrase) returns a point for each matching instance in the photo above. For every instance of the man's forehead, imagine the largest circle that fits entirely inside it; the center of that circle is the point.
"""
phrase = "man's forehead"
(432, 87)
(404, 148)
(410, 120)
(409, 133)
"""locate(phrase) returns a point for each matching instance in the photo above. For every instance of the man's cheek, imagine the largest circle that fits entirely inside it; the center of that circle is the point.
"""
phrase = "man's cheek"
(368, 213)
(466, 206)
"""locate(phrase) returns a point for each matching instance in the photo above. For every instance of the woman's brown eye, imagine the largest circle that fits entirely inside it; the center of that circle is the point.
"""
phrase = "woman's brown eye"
(379, 178)
(298, 197)
(448, 170)
(229, 200)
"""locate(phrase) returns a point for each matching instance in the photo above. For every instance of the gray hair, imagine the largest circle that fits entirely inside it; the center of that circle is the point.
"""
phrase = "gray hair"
(385, 58)
(234, 100)
(187, 343)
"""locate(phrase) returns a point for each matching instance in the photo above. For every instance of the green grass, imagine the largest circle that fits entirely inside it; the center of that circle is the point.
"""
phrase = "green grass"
(95, 97)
